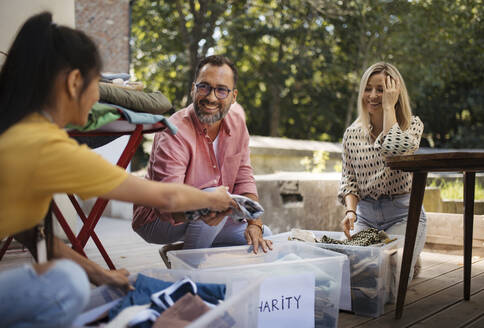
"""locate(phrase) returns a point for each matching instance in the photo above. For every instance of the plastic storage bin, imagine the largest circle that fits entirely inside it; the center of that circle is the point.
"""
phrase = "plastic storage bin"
(288, 258)
(374, 271)
(237, 310)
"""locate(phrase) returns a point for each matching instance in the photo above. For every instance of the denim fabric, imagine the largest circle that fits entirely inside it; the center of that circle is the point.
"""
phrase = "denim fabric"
(389, 213)
(145, 286)
(52, 299)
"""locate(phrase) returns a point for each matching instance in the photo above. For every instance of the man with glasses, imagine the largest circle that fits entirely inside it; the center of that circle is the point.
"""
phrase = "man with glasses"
(211, 148)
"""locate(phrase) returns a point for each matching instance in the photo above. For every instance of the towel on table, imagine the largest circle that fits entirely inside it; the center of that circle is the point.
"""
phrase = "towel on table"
(146, 118)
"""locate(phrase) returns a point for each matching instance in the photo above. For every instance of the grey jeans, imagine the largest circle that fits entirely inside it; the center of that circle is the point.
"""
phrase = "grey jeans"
(197, 234)
(389, 213)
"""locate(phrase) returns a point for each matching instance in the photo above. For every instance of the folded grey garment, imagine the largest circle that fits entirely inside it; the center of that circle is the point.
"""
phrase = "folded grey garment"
(248, 209)
(112, 76)
(140, 101)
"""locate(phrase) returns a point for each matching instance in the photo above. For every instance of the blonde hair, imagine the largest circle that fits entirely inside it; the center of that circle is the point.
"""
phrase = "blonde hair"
(402, 107)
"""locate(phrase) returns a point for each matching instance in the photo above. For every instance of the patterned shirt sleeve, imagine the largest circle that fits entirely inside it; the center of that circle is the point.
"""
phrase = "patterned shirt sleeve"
(348, 183)
(398, 142)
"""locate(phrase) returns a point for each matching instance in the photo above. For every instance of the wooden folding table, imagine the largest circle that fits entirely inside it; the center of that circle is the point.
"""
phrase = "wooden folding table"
(114, 129)
(420, 164)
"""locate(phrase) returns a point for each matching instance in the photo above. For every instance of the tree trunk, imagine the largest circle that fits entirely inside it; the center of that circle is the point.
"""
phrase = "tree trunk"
(275, 110)
(351, 109)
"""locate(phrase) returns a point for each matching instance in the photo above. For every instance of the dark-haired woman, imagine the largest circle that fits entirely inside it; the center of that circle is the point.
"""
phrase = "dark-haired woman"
(50, 79)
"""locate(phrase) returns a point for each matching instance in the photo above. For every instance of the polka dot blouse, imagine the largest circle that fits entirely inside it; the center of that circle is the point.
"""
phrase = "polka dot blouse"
(364, 171)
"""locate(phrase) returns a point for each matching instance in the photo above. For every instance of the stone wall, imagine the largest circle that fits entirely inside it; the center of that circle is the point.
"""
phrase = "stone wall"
(107, 23)
(300, 200)
(448, 229)
(270, 155)
(309, 201)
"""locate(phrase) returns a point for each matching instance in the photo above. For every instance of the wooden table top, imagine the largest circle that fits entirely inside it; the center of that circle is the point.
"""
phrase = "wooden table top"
(439, 162)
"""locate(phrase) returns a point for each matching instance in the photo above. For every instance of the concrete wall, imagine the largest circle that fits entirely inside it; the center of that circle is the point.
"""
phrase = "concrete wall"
(448, 229)
(309, 201)
(270, 155)
(300, 200)
(14, 13)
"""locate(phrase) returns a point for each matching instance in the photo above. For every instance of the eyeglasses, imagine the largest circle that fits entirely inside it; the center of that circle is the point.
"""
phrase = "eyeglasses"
(204, 90)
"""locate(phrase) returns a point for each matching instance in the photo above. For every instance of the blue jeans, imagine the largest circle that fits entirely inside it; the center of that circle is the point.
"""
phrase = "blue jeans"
(197, 234)
(389, 213)
(52, 299)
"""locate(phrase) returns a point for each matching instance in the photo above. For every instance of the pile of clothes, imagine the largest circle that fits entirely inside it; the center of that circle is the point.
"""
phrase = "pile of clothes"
(123, 100)
(373, 266)
(367, 237)
(158, 303)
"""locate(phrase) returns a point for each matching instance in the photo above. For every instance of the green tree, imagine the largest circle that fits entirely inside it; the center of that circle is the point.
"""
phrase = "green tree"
(300, 62)
(170, 37)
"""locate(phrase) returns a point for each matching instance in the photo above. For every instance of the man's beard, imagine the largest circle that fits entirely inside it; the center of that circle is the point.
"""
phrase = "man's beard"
(210, 118)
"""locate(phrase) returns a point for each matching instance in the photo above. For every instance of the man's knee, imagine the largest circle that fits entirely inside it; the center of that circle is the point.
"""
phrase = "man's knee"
(159, 236)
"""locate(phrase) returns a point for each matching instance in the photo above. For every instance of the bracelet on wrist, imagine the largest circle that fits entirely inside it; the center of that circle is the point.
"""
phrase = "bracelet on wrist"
(261, 226)
(350, 211)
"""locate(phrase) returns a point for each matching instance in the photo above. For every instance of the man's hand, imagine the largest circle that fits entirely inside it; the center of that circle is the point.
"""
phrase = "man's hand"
(253, 235)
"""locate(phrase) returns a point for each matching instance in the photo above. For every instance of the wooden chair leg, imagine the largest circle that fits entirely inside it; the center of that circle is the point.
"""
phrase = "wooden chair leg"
(469, 188)
(5, 247)
(416, 198)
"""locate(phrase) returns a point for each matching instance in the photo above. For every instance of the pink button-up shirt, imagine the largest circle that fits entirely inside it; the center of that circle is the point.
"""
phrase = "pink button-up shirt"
(188, 157)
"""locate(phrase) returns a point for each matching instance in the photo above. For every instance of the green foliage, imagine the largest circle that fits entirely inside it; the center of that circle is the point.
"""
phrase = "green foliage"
(300, 61)
(316, 164)
(455, 189)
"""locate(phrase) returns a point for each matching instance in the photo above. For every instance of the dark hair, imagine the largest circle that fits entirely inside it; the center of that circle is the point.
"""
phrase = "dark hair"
(217, 60)
(41, 50)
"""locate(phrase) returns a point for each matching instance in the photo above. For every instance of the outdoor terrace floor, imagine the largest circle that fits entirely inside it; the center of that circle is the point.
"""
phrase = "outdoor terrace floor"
(434, 299)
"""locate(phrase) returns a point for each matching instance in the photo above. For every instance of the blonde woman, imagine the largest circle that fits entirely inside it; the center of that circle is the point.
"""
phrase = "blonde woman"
(374, 195)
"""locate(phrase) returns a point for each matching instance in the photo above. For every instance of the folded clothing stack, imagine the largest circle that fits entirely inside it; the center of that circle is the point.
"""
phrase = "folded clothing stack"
(139, 101)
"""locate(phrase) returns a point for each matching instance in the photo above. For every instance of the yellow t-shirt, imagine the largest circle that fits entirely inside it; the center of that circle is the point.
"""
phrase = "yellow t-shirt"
(37, 160)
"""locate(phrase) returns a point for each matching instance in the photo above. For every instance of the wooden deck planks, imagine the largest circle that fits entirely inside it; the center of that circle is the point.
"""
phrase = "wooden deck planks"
(441, 293)
(458, 315)
(439, 277)
(435, 299)
(477, 323)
